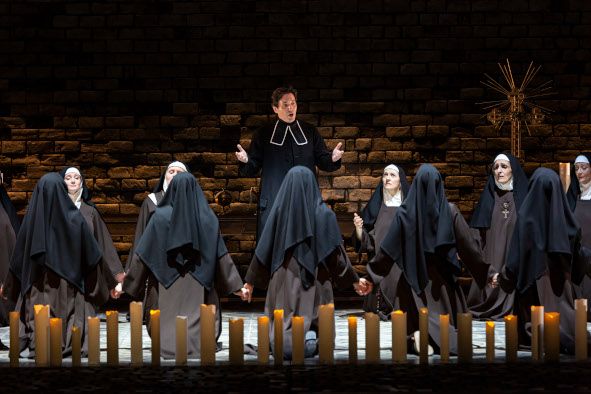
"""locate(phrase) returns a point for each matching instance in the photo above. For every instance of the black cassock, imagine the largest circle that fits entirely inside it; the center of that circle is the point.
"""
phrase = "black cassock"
(275, 149)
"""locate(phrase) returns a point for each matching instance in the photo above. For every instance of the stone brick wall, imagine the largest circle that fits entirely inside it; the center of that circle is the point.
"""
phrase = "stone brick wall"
(121, 88)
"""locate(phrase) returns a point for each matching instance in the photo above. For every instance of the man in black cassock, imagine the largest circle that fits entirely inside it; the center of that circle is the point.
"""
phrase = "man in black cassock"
(281, 145)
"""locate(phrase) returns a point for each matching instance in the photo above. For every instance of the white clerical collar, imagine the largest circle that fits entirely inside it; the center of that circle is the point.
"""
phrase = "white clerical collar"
(278, 137)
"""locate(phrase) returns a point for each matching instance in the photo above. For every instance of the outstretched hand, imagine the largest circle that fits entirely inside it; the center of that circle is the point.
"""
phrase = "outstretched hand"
(337, 153)
(241, 155)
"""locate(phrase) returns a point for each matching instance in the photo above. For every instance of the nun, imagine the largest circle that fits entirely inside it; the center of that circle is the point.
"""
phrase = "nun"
(424, 239)
(494, 218)
(545, 257)
(183, 249)
(81, 197)
(579, 199)
(145, 291)
(57, 261)
(370, 229)
(9, 226)
(299, 253)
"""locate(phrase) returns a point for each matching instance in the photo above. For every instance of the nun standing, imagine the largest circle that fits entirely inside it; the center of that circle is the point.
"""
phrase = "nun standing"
(81, 197)
(299, 253)
(184, 250)
(370, 229)
(579, 199)
(145, 291)
(545, 257)
(9, 226)
(424, 240)
(495, 217)
(57, 261)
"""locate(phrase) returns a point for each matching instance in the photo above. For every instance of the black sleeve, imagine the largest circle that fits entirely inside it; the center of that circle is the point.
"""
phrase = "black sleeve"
(379, 266)
(340, 268)
(257, 275)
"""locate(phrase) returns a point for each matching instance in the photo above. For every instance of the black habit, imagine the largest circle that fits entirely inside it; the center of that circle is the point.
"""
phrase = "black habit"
(377, 218)
(183, 248)
(57, 261)
(9, 226)
(545, 257)
(299, 251)
(424, 239)
(495, 217)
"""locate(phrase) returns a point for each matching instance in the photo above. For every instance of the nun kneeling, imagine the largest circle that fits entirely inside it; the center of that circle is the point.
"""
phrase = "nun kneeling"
(184, 250)
(57, 261)
(298, 253)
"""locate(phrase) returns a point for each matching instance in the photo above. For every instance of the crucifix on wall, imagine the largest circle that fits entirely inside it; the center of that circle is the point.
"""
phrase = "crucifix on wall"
(516, 108)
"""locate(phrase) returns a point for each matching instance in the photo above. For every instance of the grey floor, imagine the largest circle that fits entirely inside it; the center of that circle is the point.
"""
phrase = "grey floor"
(250, 336)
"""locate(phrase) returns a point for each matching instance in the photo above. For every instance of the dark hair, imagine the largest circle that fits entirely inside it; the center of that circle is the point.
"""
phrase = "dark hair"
(282, 91)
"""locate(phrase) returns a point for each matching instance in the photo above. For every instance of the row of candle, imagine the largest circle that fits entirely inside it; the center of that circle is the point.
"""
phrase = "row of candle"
(48, 337)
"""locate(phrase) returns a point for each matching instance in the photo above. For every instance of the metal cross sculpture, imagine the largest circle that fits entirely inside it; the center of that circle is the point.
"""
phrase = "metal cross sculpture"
(516, 108)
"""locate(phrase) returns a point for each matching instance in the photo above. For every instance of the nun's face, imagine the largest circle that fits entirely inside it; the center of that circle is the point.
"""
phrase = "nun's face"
(171, 173)
(583, 171)
(73, 182)
(391, 181)
(502, 170)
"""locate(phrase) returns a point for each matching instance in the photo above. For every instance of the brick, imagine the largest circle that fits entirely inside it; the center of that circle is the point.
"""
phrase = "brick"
(345, 182)
(11, 147)
(398, 132)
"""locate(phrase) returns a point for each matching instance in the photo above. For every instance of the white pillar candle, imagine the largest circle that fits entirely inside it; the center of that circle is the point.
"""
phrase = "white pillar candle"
(14, 341)
(490, 341)
(464, 337)
(552, 336)
(278, 336)
(208, 345)
(444, 333)
(155, 335)
(326, 334)
(352, 322)
(423, 335)
(136, 317)
(112, 338)
(41, 335)
(76, 346)
(537, 332)
(181, 340)
(55, 342)
(511, 338)
(94, 352)
(236, 329)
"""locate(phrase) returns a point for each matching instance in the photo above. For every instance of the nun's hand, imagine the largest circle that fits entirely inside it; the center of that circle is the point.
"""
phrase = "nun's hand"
(363, 287)
(241, 155)
(115, 294)
(2, 292)
(337, 153)
(120, 277)
(493, 281)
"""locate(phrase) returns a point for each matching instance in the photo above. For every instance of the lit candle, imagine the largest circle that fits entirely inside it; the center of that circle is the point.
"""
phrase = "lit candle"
(552, 336)
(136, 317)
(326, 334)
(94, 352)
(236, 341)
(564, 172)
(76, 347)
(581, 329)
(14, 341)
(352, 339)
(41, 335)
(181, 340)
(490, 341)
(537, 332)
(112, 338)
(372, 338)
(399, 349)
(444, 333)
(55, 342)
(207, 328)
(263, 340)
(423, 335)
(155, 335)
(464, 337)
(511, 338)
(297, 340)
(278, 336)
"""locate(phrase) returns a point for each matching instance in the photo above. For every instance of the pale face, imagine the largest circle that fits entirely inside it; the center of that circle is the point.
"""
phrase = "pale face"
(583, 171)
(73, 182)
(502, 171)
(171, 173)
(287, 108)
(391, 181)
